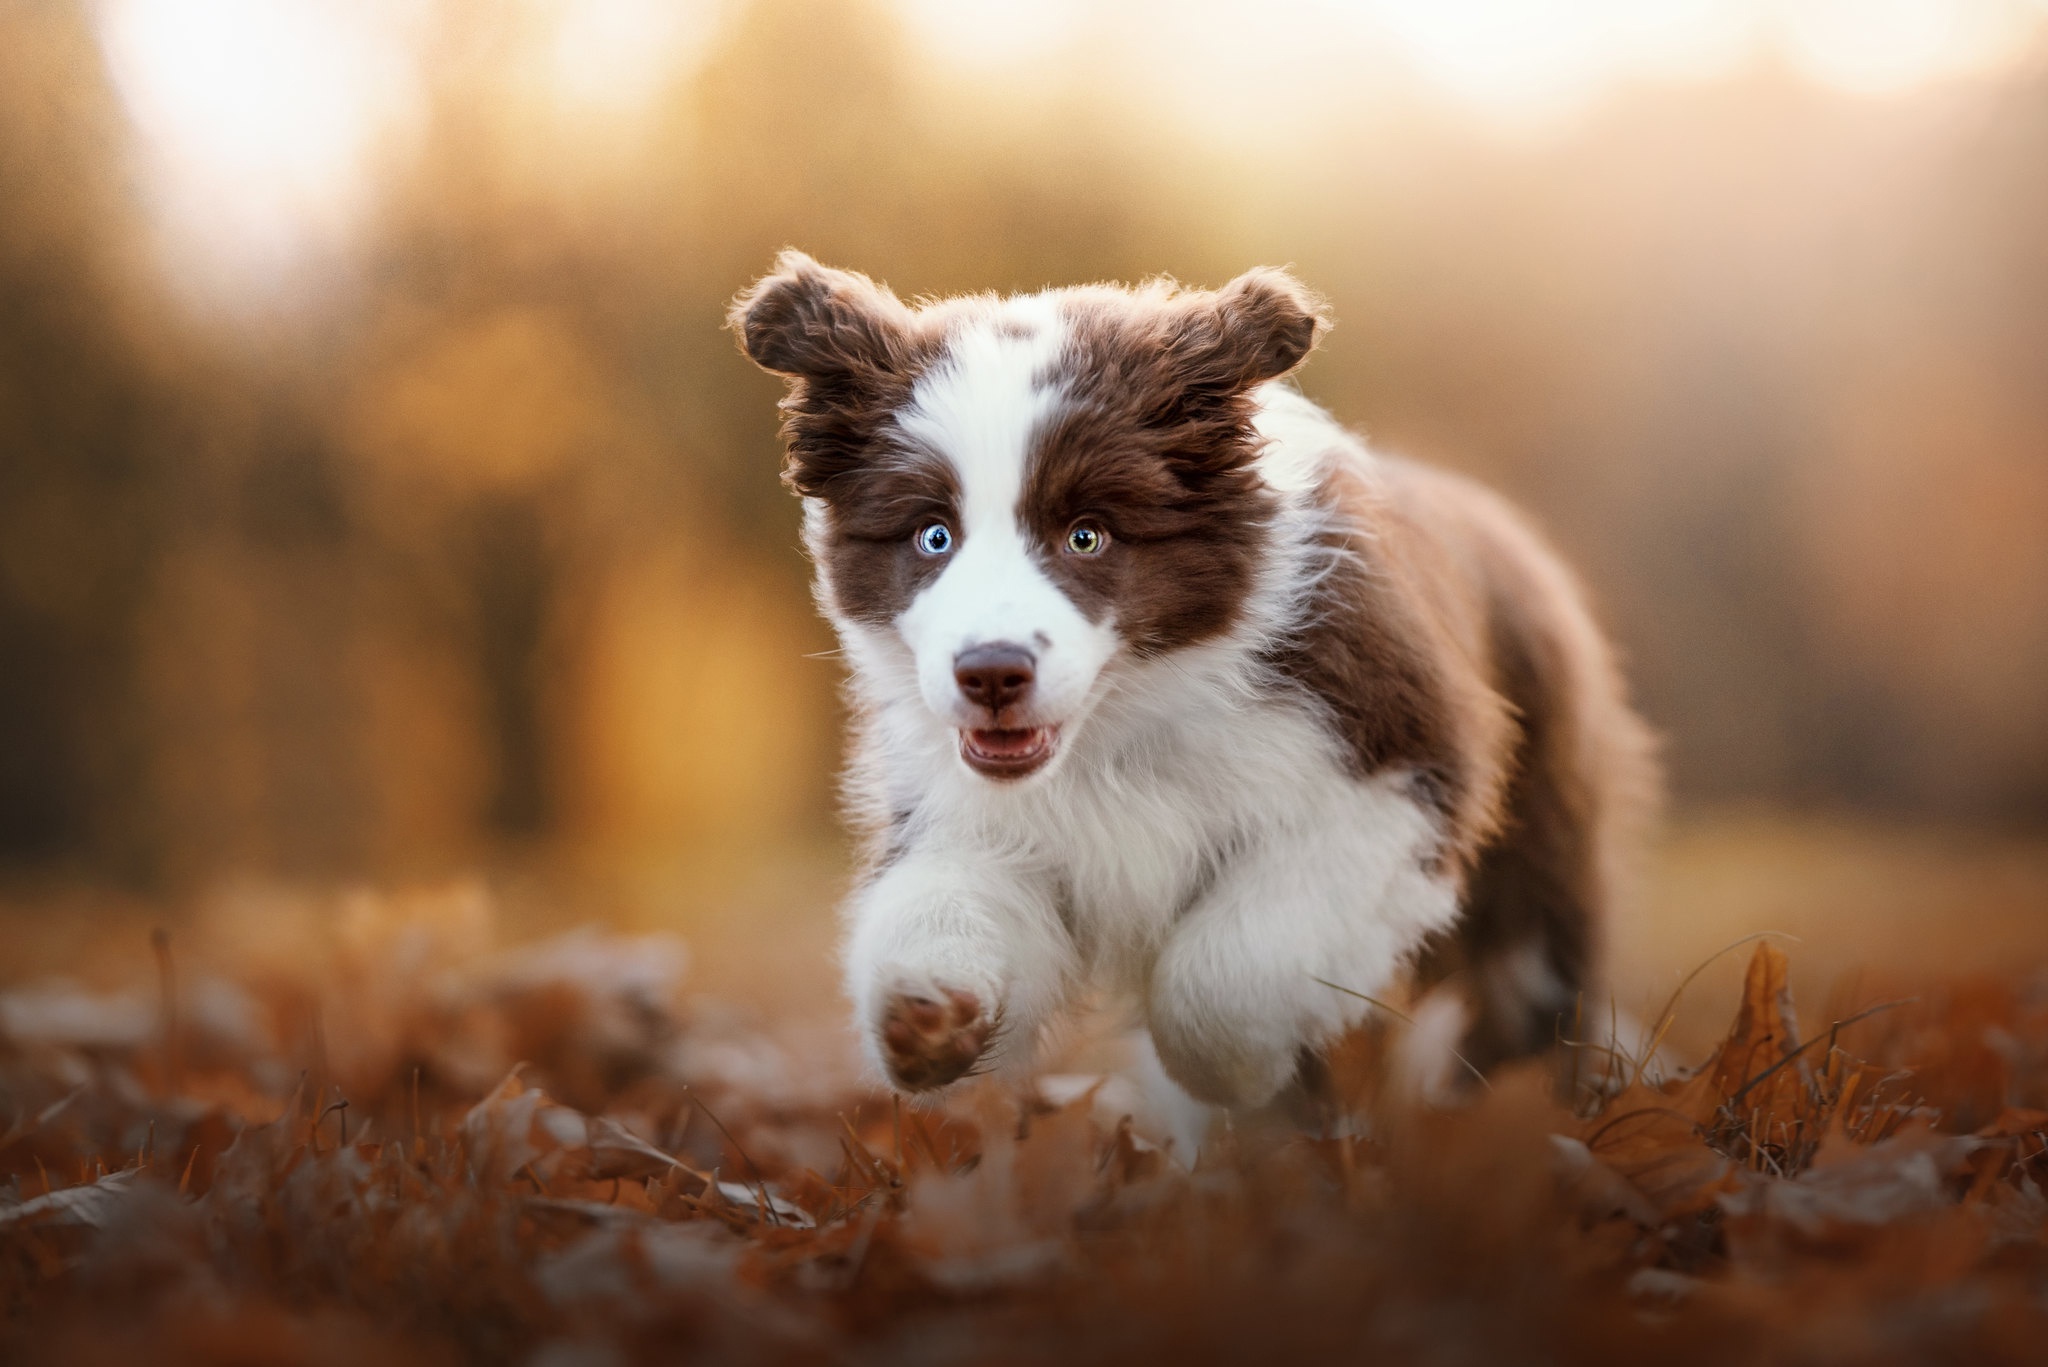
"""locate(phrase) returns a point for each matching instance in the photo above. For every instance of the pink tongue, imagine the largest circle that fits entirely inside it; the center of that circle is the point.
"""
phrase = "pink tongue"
(1006, 743)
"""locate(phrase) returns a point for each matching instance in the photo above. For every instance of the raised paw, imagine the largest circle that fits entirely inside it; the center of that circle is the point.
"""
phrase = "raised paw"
(930, 1041)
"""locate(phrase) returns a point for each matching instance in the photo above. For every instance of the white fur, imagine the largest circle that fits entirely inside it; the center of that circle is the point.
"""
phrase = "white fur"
(1196, 847)
(978, 410)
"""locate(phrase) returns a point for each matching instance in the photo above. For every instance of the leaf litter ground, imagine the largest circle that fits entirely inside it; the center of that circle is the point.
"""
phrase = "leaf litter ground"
(420, 1153)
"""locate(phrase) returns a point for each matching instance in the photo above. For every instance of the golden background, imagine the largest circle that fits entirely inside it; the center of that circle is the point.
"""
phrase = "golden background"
(382, 502)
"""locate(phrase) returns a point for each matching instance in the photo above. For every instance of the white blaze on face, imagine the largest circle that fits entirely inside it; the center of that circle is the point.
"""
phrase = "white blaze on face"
(978, 408)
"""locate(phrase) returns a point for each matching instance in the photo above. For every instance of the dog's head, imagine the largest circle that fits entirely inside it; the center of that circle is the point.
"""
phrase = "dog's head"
(1022, 490)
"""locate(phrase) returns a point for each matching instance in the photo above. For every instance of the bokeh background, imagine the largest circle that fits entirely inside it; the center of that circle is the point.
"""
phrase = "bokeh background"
(382, 502)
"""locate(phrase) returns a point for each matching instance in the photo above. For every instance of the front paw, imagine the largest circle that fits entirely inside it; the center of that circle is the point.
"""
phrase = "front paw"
(932, 1036)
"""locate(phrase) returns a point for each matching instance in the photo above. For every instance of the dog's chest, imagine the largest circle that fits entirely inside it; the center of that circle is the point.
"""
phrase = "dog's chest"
(1142, 822)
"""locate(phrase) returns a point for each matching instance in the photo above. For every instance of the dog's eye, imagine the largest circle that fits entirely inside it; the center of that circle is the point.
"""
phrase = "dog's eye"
(1086, 540)
(936, 539)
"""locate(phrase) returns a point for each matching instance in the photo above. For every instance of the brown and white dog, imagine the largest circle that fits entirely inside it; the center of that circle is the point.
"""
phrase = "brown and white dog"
(1165, 685)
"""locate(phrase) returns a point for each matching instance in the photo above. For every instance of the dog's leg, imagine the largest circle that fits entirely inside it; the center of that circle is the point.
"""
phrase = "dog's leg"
(1235, 998)
(953, 961)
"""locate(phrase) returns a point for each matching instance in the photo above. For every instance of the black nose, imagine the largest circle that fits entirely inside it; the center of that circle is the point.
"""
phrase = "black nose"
(994, 676)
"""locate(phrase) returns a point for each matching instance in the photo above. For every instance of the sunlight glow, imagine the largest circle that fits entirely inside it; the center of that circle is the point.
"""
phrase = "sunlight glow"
(613, 56)
(997, 32)
(259, 122)
(267, 125)
(1877, 47)
(1511, 54)
(1502, 59)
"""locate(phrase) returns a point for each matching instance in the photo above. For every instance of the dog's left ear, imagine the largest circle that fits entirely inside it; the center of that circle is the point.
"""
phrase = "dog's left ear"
(1256, 328)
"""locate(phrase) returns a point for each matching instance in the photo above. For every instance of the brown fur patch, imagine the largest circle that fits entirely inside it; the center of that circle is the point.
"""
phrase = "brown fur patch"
(1582, 787)
(1453, 641)
(1153, 443)
(871, 558)
(852, 352)
(1393, 652)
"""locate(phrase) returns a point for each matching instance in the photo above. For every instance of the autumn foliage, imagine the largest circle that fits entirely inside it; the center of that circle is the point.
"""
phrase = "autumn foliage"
(552, 1154)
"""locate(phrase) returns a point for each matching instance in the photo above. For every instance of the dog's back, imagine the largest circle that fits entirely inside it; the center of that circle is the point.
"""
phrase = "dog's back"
(1552, 781)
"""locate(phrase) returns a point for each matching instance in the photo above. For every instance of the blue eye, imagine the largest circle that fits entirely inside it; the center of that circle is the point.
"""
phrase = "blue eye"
(1087, 540)
(936, 539)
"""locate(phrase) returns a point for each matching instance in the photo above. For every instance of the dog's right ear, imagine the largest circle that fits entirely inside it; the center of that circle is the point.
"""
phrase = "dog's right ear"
(835, 329)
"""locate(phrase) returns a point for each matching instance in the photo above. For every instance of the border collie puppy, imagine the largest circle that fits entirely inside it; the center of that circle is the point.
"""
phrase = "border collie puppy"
(1165, 685)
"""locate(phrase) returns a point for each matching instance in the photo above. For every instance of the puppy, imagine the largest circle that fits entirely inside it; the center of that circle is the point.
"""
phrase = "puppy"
(1165, 686)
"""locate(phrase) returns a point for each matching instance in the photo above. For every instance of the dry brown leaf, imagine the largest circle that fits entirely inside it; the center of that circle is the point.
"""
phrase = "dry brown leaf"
(381, 1190)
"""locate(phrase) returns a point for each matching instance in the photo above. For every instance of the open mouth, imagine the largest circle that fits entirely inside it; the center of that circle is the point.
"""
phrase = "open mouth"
(1008, 754)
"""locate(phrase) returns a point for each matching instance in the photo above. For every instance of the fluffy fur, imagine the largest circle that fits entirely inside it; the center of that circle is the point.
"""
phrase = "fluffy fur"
(1266, 707)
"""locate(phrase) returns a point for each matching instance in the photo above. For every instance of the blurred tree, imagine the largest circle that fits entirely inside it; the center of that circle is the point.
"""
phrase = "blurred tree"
(86, 445)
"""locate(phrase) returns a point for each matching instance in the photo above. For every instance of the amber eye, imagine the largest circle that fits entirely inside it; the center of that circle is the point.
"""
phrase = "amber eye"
(1087, 540)
(936, 539)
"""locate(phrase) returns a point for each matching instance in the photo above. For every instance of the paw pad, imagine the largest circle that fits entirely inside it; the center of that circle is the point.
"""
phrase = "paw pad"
(929, 1041)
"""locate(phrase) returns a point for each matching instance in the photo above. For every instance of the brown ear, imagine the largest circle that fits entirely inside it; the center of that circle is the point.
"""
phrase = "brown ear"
(827, 326)
(1256, 328)
(850, 349)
